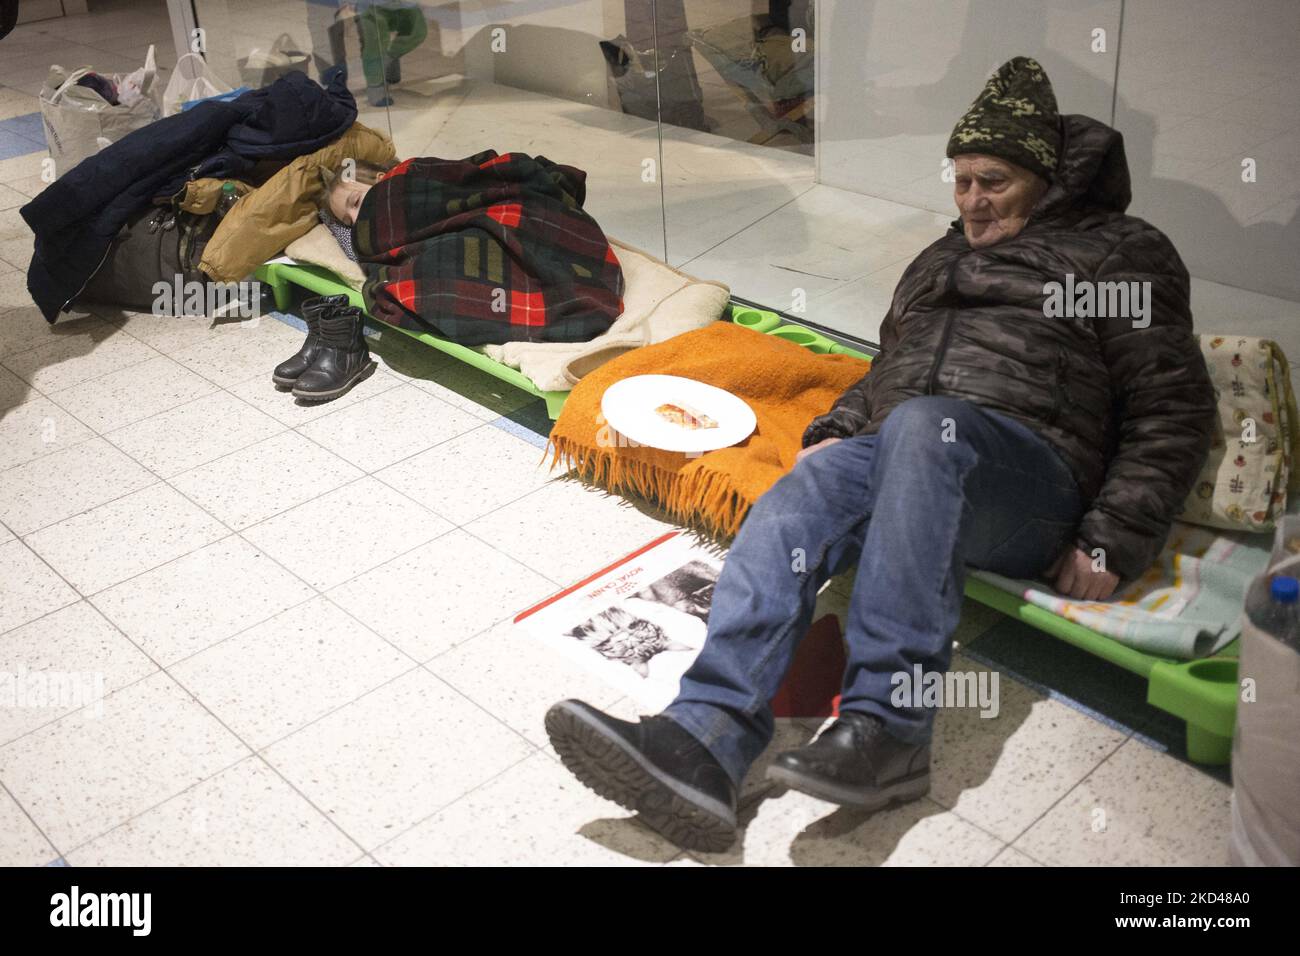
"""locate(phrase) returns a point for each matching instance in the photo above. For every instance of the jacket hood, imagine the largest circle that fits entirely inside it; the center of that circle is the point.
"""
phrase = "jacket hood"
(1092, 171)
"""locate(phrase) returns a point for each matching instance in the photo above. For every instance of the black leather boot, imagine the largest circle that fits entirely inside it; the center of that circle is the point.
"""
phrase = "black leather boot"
(655, 768)
(287, 372)
(342, 358)
(856, 763)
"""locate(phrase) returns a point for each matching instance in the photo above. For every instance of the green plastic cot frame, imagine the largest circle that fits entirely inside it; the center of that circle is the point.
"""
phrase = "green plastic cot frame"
(282, 276)
(1202, 692)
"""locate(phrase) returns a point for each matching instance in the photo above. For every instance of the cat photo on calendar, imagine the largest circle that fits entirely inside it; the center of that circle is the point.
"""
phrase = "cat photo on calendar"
(639, 623)
(667, 615)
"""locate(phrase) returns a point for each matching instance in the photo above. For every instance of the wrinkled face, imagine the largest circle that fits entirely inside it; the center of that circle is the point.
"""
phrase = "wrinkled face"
(345, 200)
(994, 196)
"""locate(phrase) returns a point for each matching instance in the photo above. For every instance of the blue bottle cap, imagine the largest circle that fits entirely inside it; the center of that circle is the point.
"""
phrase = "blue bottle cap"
(1285, 590)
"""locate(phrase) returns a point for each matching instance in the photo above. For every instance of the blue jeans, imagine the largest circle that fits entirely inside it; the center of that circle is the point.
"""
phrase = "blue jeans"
(943, 484)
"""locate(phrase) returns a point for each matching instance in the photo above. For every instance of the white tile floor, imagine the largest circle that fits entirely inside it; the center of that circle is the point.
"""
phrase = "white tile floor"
(300, 617)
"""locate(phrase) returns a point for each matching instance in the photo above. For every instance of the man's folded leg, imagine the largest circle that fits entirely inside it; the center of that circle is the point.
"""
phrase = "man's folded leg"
(682, 769)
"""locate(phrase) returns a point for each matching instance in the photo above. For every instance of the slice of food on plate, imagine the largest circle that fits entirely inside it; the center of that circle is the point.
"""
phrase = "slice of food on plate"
(685, 416)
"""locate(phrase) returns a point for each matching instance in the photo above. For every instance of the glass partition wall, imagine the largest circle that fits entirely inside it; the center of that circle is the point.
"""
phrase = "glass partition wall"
(794, 149)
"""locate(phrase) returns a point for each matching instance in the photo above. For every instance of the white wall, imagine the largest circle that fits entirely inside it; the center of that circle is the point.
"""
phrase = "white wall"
(1202, 85)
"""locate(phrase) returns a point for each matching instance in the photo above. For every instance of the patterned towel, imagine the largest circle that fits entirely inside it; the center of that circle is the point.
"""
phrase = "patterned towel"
(488, 249)
(1188, 605)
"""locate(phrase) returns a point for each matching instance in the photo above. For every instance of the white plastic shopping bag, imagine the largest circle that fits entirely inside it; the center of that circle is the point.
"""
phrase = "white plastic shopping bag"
(261, 67)
(192, 79)
(79, 122)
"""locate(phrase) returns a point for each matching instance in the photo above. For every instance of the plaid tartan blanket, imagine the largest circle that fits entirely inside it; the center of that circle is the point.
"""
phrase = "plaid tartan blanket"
(487, 250)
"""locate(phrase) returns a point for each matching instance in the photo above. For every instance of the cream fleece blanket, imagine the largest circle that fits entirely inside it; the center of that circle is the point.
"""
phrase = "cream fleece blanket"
(319, 248)
(658, 303)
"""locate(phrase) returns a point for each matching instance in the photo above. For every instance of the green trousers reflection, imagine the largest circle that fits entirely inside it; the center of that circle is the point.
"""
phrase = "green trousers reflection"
(388, 33)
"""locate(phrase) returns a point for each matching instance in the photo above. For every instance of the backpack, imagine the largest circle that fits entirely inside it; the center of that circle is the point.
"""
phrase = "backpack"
(157, 244)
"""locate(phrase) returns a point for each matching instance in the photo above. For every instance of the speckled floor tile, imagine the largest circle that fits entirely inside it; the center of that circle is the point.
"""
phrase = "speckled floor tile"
(290, 670)
(69, 658)
(542, 817)
(520, 678)
(28, 587)
(1010, 856)
(68, 482)
(132, 393)
(566, 531)
(191, 603)
(167, 333)
(86, 773)
(98, 548)
(244, 816)
(265, 478)
(13, 390)
(791, 828)
(470, 475)
(195, 433)
(35, 428)
(428, 617)
(350, 530)
(1002, 773)
(1139, 808)
(262, 395)
(83, 352)
(21, 843)
(241, 352)
(391, 426)
(385, 762)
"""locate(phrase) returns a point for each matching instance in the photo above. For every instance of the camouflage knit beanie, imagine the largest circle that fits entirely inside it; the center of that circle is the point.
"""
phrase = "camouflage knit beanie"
(1013, 118)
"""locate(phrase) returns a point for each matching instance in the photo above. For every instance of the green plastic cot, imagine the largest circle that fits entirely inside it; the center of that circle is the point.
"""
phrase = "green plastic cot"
(1202, 692)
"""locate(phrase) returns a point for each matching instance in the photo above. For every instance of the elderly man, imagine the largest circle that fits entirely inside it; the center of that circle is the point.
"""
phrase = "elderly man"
(996, 429)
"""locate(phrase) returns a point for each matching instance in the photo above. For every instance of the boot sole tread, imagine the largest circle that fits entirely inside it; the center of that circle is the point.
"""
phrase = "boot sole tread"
(604, 767)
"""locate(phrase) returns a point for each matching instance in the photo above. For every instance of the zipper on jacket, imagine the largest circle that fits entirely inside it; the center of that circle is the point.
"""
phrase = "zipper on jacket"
(67, 305)
(948, 286)
(153, 223)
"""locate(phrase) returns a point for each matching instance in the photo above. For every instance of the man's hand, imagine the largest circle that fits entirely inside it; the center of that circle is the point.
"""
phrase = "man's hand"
(1075, 577)
(824, 443)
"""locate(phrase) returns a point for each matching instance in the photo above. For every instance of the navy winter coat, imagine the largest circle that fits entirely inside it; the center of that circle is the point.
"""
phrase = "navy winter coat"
(76, 217)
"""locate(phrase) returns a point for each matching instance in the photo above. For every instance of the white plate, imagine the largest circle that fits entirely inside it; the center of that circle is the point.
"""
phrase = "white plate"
(629, 408)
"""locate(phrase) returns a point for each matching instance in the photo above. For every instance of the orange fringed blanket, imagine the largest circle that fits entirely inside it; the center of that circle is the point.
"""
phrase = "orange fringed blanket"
(785, 384)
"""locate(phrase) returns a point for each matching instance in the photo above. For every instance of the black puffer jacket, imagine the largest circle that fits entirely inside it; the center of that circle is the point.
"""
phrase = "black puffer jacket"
(1129, 409)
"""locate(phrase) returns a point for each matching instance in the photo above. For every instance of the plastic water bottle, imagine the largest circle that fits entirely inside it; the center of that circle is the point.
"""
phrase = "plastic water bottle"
(1278, 612)
(227, 199)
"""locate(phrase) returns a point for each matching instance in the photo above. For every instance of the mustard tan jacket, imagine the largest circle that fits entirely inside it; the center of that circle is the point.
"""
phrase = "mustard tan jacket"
(284, 208)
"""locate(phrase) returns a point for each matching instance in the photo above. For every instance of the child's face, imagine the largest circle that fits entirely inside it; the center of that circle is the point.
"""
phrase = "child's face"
(345, 200)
